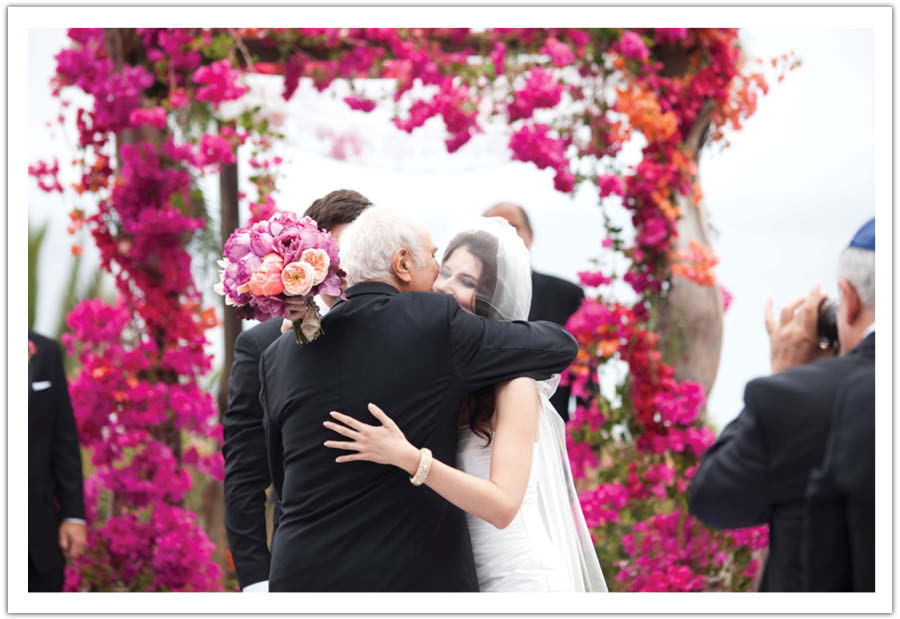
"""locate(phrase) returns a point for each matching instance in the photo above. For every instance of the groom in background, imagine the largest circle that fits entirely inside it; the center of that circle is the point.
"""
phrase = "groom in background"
(364, 526)
(246, 470)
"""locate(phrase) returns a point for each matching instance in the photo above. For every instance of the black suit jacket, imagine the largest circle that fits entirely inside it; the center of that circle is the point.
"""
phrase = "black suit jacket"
(555, 299)
(246, 467)
(54, 460)
(839, 527)
(362, 526)
(758, 468)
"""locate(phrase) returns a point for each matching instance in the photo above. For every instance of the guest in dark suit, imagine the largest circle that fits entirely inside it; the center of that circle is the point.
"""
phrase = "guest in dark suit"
(758, 469)
(246, 469)
(365, 527)
(552, 298)
(839, 528)
(56, 525)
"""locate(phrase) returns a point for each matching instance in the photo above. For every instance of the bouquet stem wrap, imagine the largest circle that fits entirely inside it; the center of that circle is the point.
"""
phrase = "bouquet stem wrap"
(309, 327)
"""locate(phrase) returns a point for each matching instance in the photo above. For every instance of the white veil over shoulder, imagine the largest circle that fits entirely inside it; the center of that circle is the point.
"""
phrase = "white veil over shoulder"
(509, 298)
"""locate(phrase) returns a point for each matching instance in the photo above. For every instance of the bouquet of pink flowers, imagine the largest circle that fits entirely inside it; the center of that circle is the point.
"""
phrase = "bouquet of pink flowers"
(269, 261)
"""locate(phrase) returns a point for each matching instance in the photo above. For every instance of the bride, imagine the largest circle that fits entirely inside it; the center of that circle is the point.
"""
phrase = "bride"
(525, 522)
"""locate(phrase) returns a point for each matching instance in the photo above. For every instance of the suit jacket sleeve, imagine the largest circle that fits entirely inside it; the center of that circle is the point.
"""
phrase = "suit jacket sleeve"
(274, 449)
(729, 489)
(486, 352)
(66, 454)
(576, 297)
(246, 468)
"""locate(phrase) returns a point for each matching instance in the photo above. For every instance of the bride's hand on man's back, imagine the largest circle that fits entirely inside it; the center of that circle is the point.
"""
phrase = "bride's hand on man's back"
(382, 444)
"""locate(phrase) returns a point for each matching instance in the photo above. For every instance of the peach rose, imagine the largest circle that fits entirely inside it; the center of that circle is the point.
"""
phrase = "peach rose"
(273, 257)
(266, 281)
(298, 278)
(319, 260)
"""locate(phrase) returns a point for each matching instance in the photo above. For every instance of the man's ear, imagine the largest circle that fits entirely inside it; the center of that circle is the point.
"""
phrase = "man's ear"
(401, 263)
(852, 305)
(529, 238)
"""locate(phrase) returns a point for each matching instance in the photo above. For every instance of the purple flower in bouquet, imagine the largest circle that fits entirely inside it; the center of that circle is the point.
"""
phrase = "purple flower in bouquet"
(270, 260)
(261, 243)
(266, 308)
(237, 246)
(289, 245)
(331, 286)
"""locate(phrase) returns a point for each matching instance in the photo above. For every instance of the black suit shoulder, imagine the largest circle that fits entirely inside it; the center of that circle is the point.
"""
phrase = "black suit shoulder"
(553, 299)
(768, 395)
(45, 345)
(558, 284)
(427, 307)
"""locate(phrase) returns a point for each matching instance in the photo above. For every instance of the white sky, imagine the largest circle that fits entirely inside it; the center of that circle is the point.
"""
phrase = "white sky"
(784, 199)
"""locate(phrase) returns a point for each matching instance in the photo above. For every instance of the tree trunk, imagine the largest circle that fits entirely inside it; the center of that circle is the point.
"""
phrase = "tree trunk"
(691, 316)
(214, 495)
(228, 191)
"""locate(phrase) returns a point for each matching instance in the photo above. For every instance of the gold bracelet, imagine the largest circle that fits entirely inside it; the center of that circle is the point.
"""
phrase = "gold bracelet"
(424, 467)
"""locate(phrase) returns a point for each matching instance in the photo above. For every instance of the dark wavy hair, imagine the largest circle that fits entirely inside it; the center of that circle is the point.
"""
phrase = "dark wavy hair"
(478, 407)
(338, 208)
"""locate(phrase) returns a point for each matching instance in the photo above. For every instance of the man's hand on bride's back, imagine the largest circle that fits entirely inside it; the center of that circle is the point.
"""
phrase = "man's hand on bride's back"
(382, 444)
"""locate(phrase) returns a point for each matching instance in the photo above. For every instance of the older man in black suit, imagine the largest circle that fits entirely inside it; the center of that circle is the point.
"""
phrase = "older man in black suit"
(839, 523)
(246, 470)
(366, 527)
(56, 526)
(758, 471)
(552, 298)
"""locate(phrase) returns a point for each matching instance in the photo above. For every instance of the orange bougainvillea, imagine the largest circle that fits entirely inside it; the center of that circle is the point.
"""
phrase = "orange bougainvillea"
(645, 114)
(695, 263)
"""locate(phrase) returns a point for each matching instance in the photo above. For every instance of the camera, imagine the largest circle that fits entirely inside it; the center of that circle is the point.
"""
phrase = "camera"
(826, 325)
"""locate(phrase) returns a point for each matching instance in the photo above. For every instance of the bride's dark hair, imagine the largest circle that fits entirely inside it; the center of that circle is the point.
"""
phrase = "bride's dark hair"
(478, 407)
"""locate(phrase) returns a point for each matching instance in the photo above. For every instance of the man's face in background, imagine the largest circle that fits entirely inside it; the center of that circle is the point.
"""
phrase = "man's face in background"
(513, 214)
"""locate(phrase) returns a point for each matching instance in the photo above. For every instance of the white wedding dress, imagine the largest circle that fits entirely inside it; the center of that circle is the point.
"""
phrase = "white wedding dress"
(520, 557)
(540, 549)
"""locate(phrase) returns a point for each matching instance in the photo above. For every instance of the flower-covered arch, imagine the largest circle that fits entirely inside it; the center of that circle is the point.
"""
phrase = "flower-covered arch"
(571, 98)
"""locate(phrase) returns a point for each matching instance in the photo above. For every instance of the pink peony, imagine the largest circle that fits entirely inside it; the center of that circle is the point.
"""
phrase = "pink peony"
(266, 281)
(298, 278)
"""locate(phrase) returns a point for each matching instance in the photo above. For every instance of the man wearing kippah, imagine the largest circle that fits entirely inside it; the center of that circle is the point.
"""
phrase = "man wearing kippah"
(759, 468)
(839, 528)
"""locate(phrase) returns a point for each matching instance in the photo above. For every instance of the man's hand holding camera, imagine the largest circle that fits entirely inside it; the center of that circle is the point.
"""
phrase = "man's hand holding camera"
(794, 340)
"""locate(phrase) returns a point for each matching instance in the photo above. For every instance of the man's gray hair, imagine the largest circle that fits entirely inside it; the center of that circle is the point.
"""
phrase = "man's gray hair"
(368, 244)
(857, 266)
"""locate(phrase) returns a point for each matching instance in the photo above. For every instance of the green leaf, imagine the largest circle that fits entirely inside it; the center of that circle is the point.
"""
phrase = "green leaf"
(35, 242)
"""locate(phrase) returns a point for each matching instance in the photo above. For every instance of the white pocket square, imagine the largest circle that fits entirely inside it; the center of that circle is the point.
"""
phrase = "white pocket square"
(40, 385)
